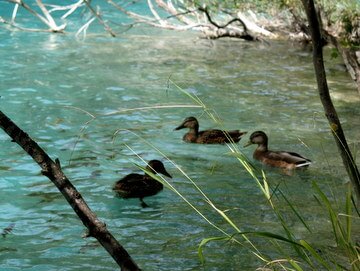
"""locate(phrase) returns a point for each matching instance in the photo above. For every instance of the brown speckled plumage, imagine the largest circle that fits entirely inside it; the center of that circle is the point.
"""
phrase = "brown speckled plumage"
(282, 159)
(213, 136)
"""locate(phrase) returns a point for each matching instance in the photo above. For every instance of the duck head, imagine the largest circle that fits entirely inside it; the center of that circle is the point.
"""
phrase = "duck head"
(258, 137)
(156, 166)
(189, 122)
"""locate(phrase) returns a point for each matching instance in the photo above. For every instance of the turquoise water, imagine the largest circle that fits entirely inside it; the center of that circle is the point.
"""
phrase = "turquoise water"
(50, 84)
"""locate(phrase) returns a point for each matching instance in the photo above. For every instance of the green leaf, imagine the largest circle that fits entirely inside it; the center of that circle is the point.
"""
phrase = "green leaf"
(294, 210)
(270, 235)
(207, 240)
(295, 265)
(314, 254)
(348, 215)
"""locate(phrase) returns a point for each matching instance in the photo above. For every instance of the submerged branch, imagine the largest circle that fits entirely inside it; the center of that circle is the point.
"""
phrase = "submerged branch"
(47, 20)
(100, 19)
(16, 8)
(185, 18)
(140, 19)
(155, 14)
(16, 26)
(70, 8)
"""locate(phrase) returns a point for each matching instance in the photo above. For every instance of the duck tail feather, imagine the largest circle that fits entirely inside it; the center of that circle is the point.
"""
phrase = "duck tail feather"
(304, 163)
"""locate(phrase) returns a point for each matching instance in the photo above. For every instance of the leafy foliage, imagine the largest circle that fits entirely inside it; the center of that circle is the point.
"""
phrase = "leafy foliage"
(351, 27)
(344, 16)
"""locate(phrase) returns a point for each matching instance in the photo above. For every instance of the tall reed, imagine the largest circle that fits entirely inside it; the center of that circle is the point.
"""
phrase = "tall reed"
(297, 254)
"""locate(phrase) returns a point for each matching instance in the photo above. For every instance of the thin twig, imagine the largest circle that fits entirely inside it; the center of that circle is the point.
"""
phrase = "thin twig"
(156, 15)
(50, 23)
(16, 8)
(14, 25)
(100, 19)
(205, 10)
(85, 27)
(49, 18)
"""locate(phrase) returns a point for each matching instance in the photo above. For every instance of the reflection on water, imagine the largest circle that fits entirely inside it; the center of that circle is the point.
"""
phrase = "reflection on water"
(61, 92)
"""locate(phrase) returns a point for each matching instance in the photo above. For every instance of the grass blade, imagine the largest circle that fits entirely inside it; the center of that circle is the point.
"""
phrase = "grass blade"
(207, 240)
(316, 255)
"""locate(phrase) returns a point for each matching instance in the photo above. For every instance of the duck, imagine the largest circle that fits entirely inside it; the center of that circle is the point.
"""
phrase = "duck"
(140, 186)
(212, 136)
(281, 159)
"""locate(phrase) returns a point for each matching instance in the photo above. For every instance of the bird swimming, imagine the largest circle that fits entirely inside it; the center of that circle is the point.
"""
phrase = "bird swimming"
(141, 185)
(212, 136)
(282, 159)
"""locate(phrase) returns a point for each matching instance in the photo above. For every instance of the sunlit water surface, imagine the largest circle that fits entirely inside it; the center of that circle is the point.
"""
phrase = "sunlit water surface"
(82, 101)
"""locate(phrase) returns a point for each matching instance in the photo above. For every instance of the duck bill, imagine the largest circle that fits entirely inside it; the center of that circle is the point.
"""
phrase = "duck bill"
(248, 144)
(166, 173)
(180, 127)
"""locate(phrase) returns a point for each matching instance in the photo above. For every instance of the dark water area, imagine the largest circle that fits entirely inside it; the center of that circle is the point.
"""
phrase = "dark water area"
(100, 103)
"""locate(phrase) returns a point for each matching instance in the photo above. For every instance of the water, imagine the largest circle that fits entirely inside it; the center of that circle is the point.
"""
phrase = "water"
(50, 84)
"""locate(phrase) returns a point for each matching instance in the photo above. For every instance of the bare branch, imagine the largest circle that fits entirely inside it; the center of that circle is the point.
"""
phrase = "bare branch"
(205, 10)
(147, 20)
(209, 17)
(14, 25)
(253, 27)
(169, 7)
(49, 19)
(156, 15)
(16, 8)
(210, 28)
(131, 14)
(85, 27)
(100, 19)
(70, 8)
(225, 31)
(53, 171)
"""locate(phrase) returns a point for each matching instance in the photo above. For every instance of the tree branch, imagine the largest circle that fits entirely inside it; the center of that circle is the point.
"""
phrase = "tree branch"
(205, 10)
(52, 170)
(49, 21)
(70, 8)
(16, 8)
(169, 7)
(325, 98)
(153, 22)
(210, 29)
(156, 15)
(100, 19)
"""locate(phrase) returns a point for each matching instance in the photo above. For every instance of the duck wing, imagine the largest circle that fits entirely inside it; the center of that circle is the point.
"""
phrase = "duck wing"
(127, 186)
(137, 186)
(218, 136)
(130, 179)
(289, 157)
